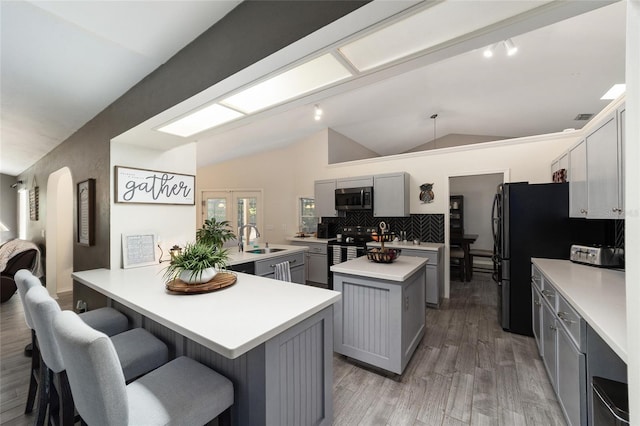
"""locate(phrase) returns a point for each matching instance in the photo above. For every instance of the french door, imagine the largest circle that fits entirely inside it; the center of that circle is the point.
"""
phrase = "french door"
(238, 207)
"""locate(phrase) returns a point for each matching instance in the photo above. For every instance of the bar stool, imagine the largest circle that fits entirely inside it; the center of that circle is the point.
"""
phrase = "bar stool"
(107, 320)
(182, 391)
(138, 352)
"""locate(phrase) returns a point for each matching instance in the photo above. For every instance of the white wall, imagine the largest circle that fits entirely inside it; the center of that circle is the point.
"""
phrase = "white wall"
(59, 232)
(478, 192)
(174, 224)
(632, 205)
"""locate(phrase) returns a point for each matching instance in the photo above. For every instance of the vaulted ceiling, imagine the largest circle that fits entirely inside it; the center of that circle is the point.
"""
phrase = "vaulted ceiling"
(63, 62)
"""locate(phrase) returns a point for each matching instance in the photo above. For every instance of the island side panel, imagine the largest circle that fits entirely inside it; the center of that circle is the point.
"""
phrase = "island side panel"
(285, 381)
(379, 322)
(299, 363)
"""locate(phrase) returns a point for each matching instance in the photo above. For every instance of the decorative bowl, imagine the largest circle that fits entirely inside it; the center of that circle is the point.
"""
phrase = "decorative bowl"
(387, 255)
(189, 277)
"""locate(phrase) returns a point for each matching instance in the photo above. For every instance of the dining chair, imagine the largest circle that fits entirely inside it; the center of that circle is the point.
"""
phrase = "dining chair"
(181, 392)
(138, 352)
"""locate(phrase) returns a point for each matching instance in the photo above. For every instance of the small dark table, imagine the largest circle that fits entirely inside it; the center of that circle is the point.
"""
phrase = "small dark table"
(465, 241)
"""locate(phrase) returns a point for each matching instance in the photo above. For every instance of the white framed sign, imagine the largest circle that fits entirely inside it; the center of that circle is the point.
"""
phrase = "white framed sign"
(153, 187)
(139, 250)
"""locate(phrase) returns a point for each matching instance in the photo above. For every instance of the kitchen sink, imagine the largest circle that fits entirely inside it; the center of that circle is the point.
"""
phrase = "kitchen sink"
(263, 251)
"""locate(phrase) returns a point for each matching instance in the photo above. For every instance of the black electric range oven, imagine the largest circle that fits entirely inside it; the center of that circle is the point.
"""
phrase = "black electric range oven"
(351, 244)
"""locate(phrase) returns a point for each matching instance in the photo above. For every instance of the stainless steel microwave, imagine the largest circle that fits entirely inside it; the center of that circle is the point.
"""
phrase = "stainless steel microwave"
(354, 198)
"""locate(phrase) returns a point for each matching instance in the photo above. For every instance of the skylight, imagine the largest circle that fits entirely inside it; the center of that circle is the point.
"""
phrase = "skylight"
(203, 119)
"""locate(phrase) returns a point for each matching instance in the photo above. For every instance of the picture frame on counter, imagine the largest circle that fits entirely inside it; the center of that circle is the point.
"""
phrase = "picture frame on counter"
(139, 250)
(142, 186)
(86, 199)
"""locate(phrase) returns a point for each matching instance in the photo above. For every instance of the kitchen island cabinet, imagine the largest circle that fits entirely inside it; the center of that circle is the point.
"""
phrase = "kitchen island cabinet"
(257, 332)
(380, 319)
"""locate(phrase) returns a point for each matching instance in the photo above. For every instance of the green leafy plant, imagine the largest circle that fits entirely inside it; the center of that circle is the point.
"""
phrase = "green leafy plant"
(215, 233)
(196, 257)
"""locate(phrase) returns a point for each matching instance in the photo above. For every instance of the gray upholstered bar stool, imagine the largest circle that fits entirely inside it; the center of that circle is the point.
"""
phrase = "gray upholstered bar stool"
(181, 392)
(138, 352)
(107, 320)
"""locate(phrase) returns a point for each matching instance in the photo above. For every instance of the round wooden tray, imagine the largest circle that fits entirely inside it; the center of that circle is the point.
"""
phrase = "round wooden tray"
(220, 281)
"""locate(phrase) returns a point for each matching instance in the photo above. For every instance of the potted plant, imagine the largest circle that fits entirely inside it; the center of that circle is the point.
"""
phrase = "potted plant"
(215, 233)
(198, 263)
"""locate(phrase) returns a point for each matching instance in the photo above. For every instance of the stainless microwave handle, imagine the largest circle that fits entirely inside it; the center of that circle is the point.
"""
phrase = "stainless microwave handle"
(362, 197)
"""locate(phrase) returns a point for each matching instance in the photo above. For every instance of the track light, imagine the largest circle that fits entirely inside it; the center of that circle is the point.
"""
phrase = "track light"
(511, 48)
(318, 113)
(488, 52)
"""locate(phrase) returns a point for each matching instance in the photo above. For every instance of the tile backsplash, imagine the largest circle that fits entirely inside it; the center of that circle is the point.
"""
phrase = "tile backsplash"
(425, 227)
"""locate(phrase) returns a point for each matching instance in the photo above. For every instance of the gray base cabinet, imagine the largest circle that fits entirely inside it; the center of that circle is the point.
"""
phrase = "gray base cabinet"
(560, 333)
(316, 265)
(265, 268)
(379, 322)
(434, 292)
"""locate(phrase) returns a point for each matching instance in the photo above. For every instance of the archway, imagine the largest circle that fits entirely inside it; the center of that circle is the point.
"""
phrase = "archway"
(59, 232)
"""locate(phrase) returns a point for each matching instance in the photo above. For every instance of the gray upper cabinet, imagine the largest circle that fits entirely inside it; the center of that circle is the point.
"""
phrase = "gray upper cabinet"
(578, 180)
(596, 170)
(603, 168)
(354, 182)
(391, 195)
(325, 198)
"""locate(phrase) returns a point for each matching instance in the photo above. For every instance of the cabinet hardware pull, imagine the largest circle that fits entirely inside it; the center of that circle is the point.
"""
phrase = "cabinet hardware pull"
(547, 293)
(537, 303)
(552, 328)
(563, 316)
(291, 261)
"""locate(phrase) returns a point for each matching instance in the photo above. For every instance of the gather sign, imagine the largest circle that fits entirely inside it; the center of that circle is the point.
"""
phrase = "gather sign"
(153, 187)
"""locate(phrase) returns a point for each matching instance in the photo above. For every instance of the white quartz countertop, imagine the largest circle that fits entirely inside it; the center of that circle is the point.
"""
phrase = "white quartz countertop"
(236, 257)
(310, 240)
(598, 294)
(399, 270)
(409, 245)
(230, 321)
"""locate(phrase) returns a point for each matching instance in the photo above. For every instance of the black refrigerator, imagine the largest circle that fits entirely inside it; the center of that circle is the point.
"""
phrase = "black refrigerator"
(532, 220)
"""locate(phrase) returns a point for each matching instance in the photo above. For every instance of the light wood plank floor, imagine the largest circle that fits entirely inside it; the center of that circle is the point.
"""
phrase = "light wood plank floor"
(466, 371)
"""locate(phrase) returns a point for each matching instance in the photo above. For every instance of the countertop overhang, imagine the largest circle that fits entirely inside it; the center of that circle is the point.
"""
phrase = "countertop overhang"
(230, 322)
(401, 269)
(408, 245)
(598, 294)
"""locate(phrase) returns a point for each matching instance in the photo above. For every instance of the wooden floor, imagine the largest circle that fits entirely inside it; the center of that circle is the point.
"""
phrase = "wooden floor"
(466, 371)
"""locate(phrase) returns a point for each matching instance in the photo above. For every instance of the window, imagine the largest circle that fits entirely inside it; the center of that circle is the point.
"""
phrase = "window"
(23, 213)
(238, 207)
(308, 222)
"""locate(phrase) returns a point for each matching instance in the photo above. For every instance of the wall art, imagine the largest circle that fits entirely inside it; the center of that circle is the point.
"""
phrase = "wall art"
(153, 187)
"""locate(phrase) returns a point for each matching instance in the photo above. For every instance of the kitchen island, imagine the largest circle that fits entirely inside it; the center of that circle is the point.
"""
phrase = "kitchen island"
(263, 334)
(380, 319)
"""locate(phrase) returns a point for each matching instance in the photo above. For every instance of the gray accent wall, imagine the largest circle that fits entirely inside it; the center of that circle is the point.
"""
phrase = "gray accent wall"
(250, 32)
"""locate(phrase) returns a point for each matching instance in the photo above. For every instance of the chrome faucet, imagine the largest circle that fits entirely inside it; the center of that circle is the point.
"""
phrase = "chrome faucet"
(240, 229)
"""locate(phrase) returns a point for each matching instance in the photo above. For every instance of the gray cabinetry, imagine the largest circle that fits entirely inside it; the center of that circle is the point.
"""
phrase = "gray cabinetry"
(325, 198)
(578, 180)
(434, 291)
(536, 307)
(354, 182)
(571, 383)
(265, 268)
(379, 322)
(596, 170)
(561, 338)
(315, 262)
(603, 166)
(391, 195)
(549, 338)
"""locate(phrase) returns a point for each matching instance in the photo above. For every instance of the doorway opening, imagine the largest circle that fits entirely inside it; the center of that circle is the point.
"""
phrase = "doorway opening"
(59, 232)
(470, 224)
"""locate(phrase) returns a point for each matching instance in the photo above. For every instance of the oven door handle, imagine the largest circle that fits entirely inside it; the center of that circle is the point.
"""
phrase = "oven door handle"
(362, 197)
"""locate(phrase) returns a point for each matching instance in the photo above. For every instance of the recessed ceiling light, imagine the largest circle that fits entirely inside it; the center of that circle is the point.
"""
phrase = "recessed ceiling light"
(615, 91)
(206, 118)
(312, 75)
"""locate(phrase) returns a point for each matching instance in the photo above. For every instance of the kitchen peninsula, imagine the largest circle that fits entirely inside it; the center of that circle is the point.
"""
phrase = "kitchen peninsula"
(381, 317)
(261, 333)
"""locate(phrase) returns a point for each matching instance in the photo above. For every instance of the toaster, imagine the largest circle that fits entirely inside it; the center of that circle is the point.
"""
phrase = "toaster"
(597, 255)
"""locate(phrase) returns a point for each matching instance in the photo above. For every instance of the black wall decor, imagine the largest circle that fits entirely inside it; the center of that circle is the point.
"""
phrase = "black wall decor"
(425, 227)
